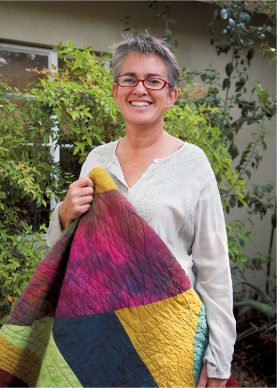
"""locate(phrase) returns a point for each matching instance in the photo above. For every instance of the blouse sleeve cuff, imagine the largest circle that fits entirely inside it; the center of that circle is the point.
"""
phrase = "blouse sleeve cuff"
(214, 371)
(55, 229)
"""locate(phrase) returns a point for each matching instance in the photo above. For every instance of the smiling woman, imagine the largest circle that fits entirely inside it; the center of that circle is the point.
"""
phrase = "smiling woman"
(144, 123)
(171, 187)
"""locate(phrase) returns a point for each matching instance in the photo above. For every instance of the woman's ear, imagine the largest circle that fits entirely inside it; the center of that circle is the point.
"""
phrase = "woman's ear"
(172, 97)
(115, 92)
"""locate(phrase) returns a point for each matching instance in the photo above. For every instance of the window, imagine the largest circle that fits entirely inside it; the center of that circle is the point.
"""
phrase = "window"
(14, 61)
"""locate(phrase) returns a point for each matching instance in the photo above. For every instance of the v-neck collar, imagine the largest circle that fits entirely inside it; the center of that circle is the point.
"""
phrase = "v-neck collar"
(116, 169)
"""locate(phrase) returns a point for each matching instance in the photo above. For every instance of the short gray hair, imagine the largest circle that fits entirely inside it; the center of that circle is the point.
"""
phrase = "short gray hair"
(146, 44)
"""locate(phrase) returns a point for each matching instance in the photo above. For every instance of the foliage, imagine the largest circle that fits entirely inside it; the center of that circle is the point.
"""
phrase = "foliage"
(230, 94)
(24, 181)
(235, 106)
(166, 17)
(237, 238)
(80, 97)
(129, 27)
(260, 315)
(73, 106)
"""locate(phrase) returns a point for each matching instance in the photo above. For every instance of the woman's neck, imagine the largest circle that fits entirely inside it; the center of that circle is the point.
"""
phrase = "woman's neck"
(143, 139)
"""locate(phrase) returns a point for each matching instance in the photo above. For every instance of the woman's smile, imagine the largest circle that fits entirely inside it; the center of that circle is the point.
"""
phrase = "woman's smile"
(140, 104)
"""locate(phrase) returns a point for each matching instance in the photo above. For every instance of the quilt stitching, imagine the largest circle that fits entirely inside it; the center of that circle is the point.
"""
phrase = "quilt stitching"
(106, 300)
(132, 269)
(119, 268)
(109, 344)
(162, 257)
(81, 357)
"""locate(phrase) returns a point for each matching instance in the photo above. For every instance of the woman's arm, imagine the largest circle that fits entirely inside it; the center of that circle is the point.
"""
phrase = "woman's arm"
(213, 280)
(77, 202)
(57, 223)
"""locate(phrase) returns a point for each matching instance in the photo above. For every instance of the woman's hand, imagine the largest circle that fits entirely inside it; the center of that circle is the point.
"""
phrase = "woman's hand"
(204, 381)
(77, 201)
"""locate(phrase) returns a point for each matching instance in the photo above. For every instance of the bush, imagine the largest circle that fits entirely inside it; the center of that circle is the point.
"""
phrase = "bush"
(24, 182)
(73, 106)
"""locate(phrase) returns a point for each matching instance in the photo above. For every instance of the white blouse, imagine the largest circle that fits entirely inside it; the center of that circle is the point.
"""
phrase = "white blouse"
(179, 198)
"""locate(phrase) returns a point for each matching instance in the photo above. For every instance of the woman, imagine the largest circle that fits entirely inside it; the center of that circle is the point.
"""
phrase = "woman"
(170, 184)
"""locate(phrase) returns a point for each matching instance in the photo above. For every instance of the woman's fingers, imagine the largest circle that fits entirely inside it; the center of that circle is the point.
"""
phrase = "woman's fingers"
(203, 380)
(77, 201)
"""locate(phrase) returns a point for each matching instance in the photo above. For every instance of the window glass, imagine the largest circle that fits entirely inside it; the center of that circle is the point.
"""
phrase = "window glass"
(14, 67)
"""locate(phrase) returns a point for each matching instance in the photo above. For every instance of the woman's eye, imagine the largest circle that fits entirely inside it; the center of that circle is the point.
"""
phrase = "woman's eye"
(153, 82)
(129, 80)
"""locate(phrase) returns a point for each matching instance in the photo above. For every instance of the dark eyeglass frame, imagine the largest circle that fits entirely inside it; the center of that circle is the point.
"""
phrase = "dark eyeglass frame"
(141, 80)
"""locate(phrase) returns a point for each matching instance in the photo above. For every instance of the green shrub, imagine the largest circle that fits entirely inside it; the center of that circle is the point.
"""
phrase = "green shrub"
(73, 106)
(24, 180)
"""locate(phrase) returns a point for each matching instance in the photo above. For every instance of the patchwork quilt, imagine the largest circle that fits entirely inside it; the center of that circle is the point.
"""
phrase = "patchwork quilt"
(109, 305)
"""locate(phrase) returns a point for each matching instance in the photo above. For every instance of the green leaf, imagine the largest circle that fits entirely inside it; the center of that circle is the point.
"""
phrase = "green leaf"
(250, 53)
(171, 20)
(203, 77)
(168, 34)
(226, 83)
(269, 188)
(7, 282)
(264, 308)
(248, 173)
(244, 111)
(231, 22)
(89, 140)
(263, 295)
(224, 13)
(229, 69)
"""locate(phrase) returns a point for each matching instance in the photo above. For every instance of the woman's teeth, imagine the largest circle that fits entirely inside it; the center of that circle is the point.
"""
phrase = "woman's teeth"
(140, 103)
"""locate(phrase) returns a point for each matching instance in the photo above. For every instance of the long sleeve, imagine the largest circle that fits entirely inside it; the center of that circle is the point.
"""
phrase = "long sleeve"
(213, 280)
(55, 230)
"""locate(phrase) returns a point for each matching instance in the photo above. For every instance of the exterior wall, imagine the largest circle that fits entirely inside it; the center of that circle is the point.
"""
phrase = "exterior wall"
(98, 24)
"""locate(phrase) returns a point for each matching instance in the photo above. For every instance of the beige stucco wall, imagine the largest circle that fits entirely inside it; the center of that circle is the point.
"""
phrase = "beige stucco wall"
(98, 23)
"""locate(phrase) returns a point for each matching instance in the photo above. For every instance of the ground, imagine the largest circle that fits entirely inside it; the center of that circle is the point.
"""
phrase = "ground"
(254, 363)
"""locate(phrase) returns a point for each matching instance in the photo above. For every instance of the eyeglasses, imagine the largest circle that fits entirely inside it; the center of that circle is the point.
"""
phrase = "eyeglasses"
(149, 83)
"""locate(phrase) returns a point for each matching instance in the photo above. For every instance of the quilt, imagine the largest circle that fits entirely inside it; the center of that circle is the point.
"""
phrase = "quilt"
(108, 306)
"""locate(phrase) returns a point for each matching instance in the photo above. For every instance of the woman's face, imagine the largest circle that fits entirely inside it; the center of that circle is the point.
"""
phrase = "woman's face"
(138, 105)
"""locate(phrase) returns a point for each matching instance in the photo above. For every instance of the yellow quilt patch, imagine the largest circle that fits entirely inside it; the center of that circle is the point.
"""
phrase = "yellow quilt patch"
(102, 181)
(22, 363)
(163, 333)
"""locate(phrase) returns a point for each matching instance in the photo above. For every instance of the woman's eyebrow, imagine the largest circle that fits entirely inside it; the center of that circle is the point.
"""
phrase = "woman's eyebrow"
(153, 75)
(129, 73)
(147, 75)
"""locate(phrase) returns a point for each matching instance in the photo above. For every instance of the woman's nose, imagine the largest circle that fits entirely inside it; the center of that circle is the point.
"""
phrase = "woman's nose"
(140, 88)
